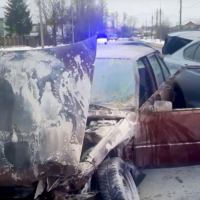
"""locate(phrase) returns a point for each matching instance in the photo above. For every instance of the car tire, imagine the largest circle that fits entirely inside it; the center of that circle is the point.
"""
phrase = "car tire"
(115, 181)
(105, 43)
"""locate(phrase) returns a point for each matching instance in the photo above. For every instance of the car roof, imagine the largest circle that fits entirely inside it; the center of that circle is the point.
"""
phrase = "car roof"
(126, 50)
(192, 35)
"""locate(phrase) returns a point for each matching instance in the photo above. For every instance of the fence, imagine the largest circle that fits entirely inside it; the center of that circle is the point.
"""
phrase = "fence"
(20, 41)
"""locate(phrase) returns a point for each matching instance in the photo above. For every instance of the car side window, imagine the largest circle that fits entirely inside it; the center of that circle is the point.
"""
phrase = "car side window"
(145, 83)
(190, 51)
(197, 54)
(157, 70)
(164, 68)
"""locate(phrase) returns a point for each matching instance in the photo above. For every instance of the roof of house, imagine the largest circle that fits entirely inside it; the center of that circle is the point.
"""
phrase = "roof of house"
(189, 23)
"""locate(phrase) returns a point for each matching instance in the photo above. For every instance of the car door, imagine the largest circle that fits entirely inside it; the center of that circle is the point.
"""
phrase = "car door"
(166, 138)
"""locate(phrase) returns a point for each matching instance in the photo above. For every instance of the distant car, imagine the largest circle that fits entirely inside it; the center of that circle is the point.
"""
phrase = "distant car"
(131, 38)
(102, 38)
(140, 36)
(113, 37)
(182, 49)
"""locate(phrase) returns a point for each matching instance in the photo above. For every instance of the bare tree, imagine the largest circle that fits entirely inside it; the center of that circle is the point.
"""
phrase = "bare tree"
(61, 10)
(103, 13)
(90, 17)
(131, 21)
(114, 19)
(54, 12)
(165, 27)
(87, 17)
(49, 8)
(125, 16)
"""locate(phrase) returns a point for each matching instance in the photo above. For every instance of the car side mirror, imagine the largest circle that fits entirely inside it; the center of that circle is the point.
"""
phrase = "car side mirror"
(160, 106)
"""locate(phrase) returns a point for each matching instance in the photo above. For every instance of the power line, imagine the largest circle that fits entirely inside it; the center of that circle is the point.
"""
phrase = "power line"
(143, 14)
(192, 5)
(172, 15)
(175, 7)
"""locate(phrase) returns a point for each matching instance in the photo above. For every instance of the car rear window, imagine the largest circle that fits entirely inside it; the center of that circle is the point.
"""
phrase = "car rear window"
(173, 44)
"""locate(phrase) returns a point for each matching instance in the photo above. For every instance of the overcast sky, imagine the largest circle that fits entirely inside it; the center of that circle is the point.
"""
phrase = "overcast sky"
(143, 9)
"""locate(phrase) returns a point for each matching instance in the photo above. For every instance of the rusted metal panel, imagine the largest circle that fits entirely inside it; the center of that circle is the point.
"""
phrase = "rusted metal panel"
(44, 101)
(170, 138)
(167, 138)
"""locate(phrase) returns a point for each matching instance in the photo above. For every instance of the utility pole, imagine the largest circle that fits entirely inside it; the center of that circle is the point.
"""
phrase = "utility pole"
(151, 22)
(160, 24)
(41, 26)
(146, 29)
(157, 24)
(152, 28)
(181, 2)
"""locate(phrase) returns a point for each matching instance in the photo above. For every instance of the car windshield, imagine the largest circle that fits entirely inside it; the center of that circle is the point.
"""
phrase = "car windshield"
(114, 84)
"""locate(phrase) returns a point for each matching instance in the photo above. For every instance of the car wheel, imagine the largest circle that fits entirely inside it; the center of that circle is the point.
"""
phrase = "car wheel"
(115, 181)
(105, 43)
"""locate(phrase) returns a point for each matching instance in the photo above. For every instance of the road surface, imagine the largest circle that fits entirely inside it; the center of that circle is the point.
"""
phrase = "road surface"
(180, 183)
(125, 42)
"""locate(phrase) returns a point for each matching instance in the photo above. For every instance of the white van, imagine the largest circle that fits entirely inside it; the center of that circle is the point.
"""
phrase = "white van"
(102, 38)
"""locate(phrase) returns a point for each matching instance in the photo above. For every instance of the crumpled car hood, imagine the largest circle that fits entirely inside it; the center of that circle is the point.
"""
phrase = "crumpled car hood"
(44, 100)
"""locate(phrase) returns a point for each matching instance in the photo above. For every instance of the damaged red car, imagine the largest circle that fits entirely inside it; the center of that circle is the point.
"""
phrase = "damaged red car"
(70, 130)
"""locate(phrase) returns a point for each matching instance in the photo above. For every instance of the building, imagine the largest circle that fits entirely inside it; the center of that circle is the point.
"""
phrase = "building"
(190, 26)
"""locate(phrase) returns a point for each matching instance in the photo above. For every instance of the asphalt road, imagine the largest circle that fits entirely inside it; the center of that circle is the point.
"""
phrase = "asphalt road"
(125, 42)
(155, 46)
